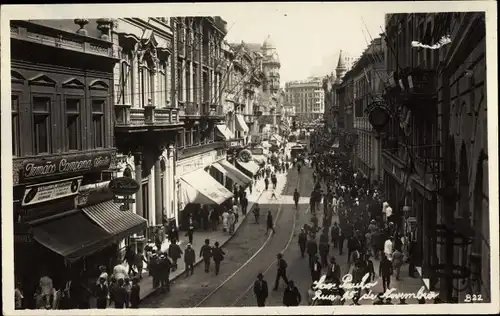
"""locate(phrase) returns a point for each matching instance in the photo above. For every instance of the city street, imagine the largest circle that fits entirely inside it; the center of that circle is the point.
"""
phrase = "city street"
(250, 237)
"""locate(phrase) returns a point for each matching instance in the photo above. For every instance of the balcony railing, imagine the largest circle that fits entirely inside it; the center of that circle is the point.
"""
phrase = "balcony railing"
(191, 109)
(129, 117)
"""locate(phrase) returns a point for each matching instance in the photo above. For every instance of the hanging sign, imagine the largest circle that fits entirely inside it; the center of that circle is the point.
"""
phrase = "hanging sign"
(49, 191)
(124, 186)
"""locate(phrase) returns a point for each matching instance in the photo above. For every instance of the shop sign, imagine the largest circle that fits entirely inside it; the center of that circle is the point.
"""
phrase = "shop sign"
(123, 186)
(63, 165)
(34, 194)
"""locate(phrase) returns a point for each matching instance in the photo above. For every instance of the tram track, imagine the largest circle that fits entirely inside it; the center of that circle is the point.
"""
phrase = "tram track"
(224, 290)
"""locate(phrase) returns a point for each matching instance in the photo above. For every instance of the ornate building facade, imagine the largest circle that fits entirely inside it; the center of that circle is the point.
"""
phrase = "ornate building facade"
(435, 154)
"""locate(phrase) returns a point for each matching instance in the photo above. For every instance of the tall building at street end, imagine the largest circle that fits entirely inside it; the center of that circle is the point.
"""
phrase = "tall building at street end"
(434, 147)
(308, 98)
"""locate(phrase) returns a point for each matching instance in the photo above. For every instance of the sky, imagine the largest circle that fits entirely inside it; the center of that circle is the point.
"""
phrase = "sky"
(308, 37)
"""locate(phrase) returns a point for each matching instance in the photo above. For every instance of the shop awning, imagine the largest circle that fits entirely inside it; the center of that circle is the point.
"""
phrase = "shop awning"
(240, 123)
(74, 236)
(236, 175)
(225, 131)
(199, 187)
(250, 166)
(118, 223)
(217, 166)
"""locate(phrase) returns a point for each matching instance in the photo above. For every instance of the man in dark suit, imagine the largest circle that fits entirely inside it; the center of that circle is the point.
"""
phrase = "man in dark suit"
(333, 272)
(260, 290)
(101, 293)
(385, 271)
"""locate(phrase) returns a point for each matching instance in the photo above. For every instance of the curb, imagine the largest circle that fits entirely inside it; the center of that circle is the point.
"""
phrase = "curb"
(199, 260)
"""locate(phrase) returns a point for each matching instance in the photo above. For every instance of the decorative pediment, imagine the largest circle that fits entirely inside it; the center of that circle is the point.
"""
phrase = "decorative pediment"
(16, 77)
(98, 85)
(42, 79)
(148, 38)
(73, 83)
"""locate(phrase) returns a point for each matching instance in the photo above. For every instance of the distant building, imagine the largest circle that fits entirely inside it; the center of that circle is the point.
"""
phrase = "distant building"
(307, 96)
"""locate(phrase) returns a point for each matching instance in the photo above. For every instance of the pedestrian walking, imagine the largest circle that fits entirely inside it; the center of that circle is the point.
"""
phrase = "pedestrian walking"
(119, 294)
(302, 241)
(335, 235)
(281, 271)
(174, 252)
(225, 221)
(130, 259)
(273, 195)
(139, 261)
(190, 232)
(312, 250)
(260, 290)
(189, 258)
(324, 249)
(296, 198)
(316, 269)
(101, 293)
(256, 212)
(214, 219)
(291, 296)
(244, 203)
(218, 256)
(270, 224)
(135, 291)
(235, 210)
(385, 272)
(206, 254)
(232, 222)
(165, 266)
(333, 273)
(266, 183)
(397, 262)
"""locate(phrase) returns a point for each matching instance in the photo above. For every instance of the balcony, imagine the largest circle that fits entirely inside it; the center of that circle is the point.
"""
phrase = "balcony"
(214, 111)
(193, 150)
(191, 110)
(130, 119)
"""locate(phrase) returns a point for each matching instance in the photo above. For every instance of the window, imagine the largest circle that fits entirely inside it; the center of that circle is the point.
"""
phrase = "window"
(180, 86)
(98, 123)
(179, 139)
(188, 83)
(16, 146)
(196, 135)
(73, 124)
(145, 85)
(195, 86)
(41, 124)
(206, 88)
(125, 94)
(187, 137)
(162, 96)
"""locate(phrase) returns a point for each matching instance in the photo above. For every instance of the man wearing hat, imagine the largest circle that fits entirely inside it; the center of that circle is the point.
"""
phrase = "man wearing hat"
(260, 290)
(164, 268)
(189, 258)
(101, 293)
(206, 254)
(281, 273)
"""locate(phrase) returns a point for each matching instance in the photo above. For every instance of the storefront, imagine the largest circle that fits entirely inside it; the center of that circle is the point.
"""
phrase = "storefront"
(54, 227)
(199, 184)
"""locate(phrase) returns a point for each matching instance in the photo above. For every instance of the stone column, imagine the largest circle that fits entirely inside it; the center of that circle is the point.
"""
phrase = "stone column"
(159, 202)
(138, 178)
(151, 197)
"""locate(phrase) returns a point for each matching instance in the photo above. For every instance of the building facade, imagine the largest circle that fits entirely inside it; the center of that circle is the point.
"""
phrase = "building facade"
(308, 97)
(435, 152)
(63, 150)
(368, 75)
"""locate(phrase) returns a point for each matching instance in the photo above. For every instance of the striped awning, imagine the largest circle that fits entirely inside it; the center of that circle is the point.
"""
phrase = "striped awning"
(118, 223)
(73, 236)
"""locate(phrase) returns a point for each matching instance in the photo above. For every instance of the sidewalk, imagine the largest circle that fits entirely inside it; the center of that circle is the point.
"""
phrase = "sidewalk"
(200, 236)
